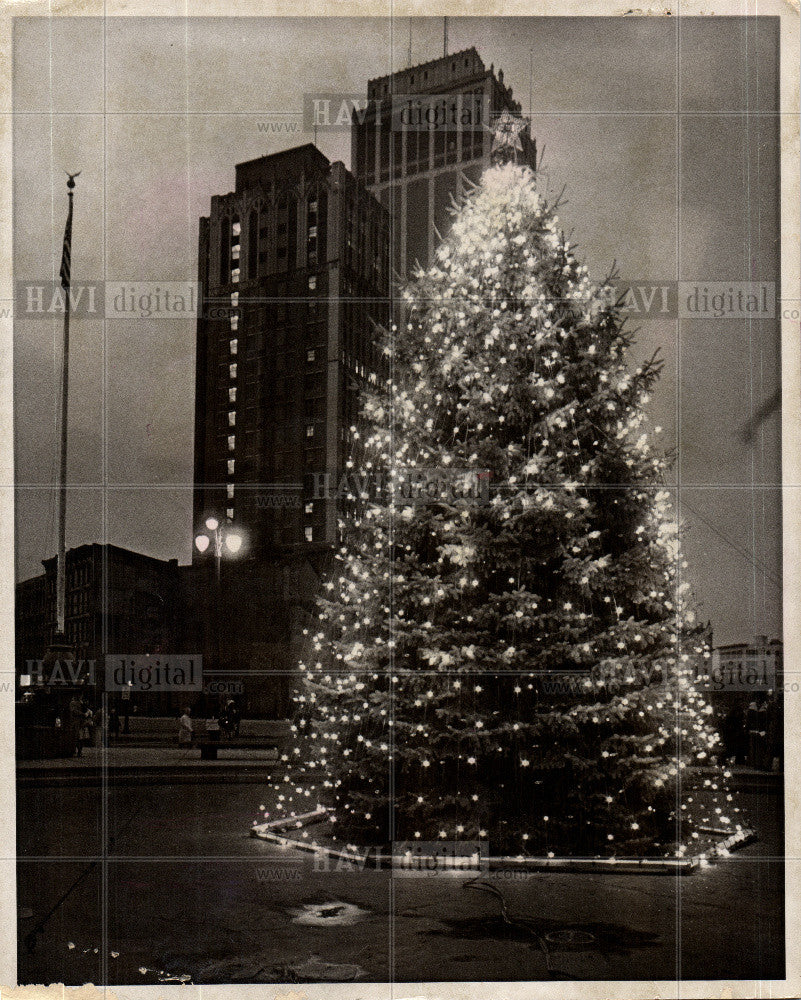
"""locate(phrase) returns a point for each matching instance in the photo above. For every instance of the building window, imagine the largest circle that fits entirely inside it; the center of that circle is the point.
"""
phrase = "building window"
(232, 371)
(232, 394)
(309, 430)
(231, 442)
(236, 228)
(253, 243)
(312, 232)
(232, 418)
(229, 489)
(312, 206)
(229, 513)
(312, 282)
(224, 244)
(233, 345)
(309, 533)
(310, 355)
(310, 508)
(235, 322)
(235, 275)
(234, 298)
(235, 251)
(231, 466)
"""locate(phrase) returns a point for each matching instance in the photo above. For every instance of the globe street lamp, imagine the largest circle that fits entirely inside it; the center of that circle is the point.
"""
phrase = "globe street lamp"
(223, 538)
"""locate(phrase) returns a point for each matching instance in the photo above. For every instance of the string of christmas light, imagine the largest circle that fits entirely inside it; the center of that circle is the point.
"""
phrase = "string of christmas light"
(523, 662)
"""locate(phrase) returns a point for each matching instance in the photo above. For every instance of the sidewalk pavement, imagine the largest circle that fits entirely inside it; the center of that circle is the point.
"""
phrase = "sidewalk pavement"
(171, 756)
(170, 762)
(165, 727)
(186, 889)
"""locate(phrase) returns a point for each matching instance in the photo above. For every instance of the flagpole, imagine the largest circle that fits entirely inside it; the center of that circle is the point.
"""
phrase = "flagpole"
(61, 577)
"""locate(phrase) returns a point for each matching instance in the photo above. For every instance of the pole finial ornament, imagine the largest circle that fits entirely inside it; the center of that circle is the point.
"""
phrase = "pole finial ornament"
(71, 181)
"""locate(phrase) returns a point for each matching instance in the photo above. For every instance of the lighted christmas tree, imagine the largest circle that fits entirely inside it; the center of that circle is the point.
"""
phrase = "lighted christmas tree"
(512, 656)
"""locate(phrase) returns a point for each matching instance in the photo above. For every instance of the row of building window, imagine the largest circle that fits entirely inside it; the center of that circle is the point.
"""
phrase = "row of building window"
(233, 349)
(388, 150)
(79, 632)
(456, 67)
(286, 238)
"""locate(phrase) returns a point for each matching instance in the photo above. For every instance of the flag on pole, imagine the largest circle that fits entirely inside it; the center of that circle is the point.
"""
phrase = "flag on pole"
(66, 252)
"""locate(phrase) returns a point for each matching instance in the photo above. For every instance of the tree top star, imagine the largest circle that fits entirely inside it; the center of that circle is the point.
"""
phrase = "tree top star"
(506, 137)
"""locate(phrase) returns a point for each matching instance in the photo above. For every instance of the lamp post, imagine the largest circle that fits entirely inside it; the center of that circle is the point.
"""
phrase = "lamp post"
(222, 537)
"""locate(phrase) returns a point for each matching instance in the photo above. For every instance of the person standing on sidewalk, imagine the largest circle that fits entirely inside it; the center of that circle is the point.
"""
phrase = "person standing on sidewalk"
(232, 718)
(86, 724)
(185, 729)
(101, 727)
(114, 723)
(76, 717)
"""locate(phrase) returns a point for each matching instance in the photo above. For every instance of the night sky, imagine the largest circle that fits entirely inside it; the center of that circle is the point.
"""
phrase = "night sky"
(663, 131)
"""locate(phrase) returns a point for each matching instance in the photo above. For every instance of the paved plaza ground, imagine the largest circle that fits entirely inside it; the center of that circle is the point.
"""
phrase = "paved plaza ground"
(182, 889)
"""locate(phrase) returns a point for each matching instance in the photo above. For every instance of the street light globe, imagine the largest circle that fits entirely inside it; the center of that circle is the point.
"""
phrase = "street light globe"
(202, 543)
(212, 523)
(233, 542)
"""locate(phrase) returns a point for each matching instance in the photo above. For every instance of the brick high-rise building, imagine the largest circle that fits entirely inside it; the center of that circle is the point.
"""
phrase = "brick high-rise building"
(294, 268)
(415, 169)
(294, 265)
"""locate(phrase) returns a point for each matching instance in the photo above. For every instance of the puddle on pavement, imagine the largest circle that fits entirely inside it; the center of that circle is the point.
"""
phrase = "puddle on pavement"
(331, 914)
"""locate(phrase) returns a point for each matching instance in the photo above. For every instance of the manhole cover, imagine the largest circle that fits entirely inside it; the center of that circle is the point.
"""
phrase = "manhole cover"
(570, 938)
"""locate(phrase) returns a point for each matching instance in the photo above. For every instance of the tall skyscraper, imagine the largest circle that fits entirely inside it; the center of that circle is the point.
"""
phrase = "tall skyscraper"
(295, 273)
(294, 269)
(425, 130)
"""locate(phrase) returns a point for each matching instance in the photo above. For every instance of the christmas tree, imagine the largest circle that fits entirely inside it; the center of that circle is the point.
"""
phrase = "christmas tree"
(507, 651)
